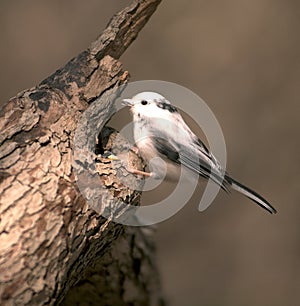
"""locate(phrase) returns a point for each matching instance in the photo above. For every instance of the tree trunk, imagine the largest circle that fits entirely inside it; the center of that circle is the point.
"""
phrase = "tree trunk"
(54, 248)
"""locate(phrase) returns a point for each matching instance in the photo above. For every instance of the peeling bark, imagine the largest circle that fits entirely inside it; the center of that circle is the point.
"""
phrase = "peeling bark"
(50, 240)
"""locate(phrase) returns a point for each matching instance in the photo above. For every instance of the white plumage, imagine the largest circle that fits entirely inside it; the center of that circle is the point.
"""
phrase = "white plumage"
(160, 131)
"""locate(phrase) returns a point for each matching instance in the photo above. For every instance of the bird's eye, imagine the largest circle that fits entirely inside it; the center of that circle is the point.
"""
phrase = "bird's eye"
(144, 102)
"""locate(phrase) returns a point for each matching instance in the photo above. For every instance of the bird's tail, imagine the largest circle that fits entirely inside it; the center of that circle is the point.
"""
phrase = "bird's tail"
(252, 195)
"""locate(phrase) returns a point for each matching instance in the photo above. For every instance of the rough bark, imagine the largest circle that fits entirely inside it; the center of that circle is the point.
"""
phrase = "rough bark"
(50, 240)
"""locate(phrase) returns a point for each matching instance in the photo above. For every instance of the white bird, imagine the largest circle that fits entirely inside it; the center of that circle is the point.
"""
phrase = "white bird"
(160, 131)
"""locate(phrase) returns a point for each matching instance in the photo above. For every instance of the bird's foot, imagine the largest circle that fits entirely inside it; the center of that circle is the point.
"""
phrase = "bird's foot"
(139, 172)
(135, 150)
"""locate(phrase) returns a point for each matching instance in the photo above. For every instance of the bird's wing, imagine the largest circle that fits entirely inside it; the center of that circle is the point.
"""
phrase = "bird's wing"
(165, 148)
(195, 159)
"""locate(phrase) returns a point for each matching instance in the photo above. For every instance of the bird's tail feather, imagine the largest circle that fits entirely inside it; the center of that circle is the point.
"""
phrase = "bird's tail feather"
(252, 195)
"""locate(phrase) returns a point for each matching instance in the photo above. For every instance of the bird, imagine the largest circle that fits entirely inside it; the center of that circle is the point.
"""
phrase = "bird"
(160, 131)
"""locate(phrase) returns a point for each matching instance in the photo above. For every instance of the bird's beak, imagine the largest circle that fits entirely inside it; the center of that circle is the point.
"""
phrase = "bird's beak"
(127, 102)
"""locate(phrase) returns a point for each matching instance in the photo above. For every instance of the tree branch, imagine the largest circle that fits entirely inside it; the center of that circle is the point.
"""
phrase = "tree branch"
(50, 240)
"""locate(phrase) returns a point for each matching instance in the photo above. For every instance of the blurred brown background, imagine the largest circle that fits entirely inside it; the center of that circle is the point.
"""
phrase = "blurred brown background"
(242, 57)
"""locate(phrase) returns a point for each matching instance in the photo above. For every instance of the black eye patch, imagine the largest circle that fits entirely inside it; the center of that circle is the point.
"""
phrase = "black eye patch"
(144, 102)
(167, 106)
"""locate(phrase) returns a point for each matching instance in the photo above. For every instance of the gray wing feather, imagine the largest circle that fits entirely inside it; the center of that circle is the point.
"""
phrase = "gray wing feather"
(190, 160)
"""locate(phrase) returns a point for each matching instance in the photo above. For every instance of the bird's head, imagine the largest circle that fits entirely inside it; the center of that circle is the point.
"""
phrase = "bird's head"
(150, 105)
